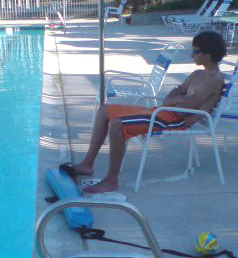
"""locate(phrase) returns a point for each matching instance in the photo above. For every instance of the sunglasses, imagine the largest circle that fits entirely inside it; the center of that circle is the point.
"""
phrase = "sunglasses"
(195, 51)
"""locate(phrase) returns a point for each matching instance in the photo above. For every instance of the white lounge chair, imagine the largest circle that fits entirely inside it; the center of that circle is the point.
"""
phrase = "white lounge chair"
(202, 11)
(58, 22)
(114, 11)
(124, 84)
(194, 25)
(206, 125)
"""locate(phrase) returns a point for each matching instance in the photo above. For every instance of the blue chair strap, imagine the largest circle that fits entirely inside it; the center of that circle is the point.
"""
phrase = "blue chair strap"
(235, 69)
(226, 89)
(235, 117)
(227, 1)
(163, 61)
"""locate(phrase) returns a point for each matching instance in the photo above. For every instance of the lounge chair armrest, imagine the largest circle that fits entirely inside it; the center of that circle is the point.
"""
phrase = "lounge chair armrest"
(119, 78)
(181, 110)
(230, 12)
(123, 73)
(147, 97)
(111, 8)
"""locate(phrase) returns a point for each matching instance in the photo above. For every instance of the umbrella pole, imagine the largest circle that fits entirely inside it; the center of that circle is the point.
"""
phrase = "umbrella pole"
(101, 50)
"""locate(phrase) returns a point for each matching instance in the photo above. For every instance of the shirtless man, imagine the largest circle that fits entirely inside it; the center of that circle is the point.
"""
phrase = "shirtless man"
(201, 90)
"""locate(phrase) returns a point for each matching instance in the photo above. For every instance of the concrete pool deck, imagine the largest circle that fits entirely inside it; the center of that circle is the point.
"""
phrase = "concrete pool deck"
(177, 212)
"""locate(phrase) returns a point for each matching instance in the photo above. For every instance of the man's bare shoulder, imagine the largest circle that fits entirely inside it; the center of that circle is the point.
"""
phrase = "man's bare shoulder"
(209, 78)
(215, 79)
(197, 72)
(196, 75)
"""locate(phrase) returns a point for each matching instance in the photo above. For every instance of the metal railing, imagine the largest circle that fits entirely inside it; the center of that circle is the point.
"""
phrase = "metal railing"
(13, 9)
(89, 202)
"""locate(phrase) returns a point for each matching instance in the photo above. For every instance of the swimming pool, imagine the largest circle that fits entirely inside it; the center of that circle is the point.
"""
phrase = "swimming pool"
(21, 52)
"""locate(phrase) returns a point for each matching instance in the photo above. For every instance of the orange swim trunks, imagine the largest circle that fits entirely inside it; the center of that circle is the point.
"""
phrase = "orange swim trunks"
(135, 119)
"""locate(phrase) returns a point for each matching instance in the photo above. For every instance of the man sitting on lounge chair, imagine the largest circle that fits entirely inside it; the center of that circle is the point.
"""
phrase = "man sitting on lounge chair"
(201, 90)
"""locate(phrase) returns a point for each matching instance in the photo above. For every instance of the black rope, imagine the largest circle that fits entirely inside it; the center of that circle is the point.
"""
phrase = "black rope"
(98, 234)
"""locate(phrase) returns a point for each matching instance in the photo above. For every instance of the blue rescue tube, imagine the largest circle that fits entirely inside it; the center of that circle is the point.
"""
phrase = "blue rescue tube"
(64, 187)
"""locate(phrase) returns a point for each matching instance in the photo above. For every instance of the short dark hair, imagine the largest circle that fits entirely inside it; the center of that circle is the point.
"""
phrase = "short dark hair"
(212, 43)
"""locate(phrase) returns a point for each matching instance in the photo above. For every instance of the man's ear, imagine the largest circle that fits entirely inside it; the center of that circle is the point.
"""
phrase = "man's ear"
(208, 56)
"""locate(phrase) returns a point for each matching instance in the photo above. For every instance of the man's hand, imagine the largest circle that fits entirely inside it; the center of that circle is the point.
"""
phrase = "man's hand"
(172, 101)
(176, 91)
(174, 96)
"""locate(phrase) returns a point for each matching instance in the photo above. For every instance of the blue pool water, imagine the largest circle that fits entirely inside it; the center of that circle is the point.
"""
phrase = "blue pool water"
(21, 52)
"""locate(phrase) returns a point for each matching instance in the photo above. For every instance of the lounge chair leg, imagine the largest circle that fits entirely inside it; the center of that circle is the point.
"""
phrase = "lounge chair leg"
(123, 160)
(94, 113)
(191, 155)
(225, 146)
(218, 160)
(197, 160)
(142, 163)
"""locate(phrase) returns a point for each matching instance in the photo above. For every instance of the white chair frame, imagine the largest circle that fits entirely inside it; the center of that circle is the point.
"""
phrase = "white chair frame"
(140, 87)
(115, 11)
(208, 130)
(229, 113)
(56, 23)
(188, 26)
(167, 18)
(199, 128)
(173, 20)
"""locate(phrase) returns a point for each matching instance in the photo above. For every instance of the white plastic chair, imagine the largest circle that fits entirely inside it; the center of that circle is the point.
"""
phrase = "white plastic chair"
(194, 25)
(206, 125)
(124, 84)
(229, 116)
(114, 11)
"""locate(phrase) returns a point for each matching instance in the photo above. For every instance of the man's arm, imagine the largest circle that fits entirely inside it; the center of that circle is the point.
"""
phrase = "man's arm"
(176, 93)
(202, 95)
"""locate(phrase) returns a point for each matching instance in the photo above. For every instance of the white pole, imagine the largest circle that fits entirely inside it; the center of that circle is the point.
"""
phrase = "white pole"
(64, 10)
(101, 50)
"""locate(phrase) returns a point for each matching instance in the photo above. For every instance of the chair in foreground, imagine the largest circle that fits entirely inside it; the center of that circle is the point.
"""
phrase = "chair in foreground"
(124, 84)
(195, 25)
(117, 11)
(206, 126)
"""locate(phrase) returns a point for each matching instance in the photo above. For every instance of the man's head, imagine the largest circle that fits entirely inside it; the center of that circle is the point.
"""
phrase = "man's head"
(211, 43)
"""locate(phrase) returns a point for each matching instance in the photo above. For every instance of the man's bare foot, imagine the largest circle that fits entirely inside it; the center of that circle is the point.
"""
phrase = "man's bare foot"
(101, 187)
(83, 170)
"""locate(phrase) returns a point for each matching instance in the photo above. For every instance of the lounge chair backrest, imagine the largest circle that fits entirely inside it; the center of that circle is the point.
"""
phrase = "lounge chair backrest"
(225, 97)
(211, 8)
(161, 66)
(222, 104)
(202, 9)
(61, 18)
(223, 8)
(122, 5)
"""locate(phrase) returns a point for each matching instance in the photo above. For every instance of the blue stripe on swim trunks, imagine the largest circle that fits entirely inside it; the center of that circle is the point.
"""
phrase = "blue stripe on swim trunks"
(145, 120)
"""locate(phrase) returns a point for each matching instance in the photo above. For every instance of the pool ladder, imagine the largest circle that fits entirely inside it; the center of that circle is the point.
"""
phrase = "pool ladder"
(88, 202)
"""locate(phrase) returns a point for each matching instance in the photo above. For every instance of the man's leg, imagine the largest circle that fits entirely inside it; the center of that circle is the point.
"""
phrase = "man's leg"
(98, 136)
(117, 150)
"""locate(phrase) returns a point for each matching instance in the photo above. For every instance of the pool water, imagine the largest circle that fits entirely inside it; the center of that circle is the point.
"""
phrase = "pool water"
(21, 54)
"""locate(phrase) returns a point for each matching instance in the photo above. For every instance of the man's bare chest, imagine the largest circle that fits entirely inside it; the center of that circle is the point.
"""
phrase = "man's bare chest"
(195, 84)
